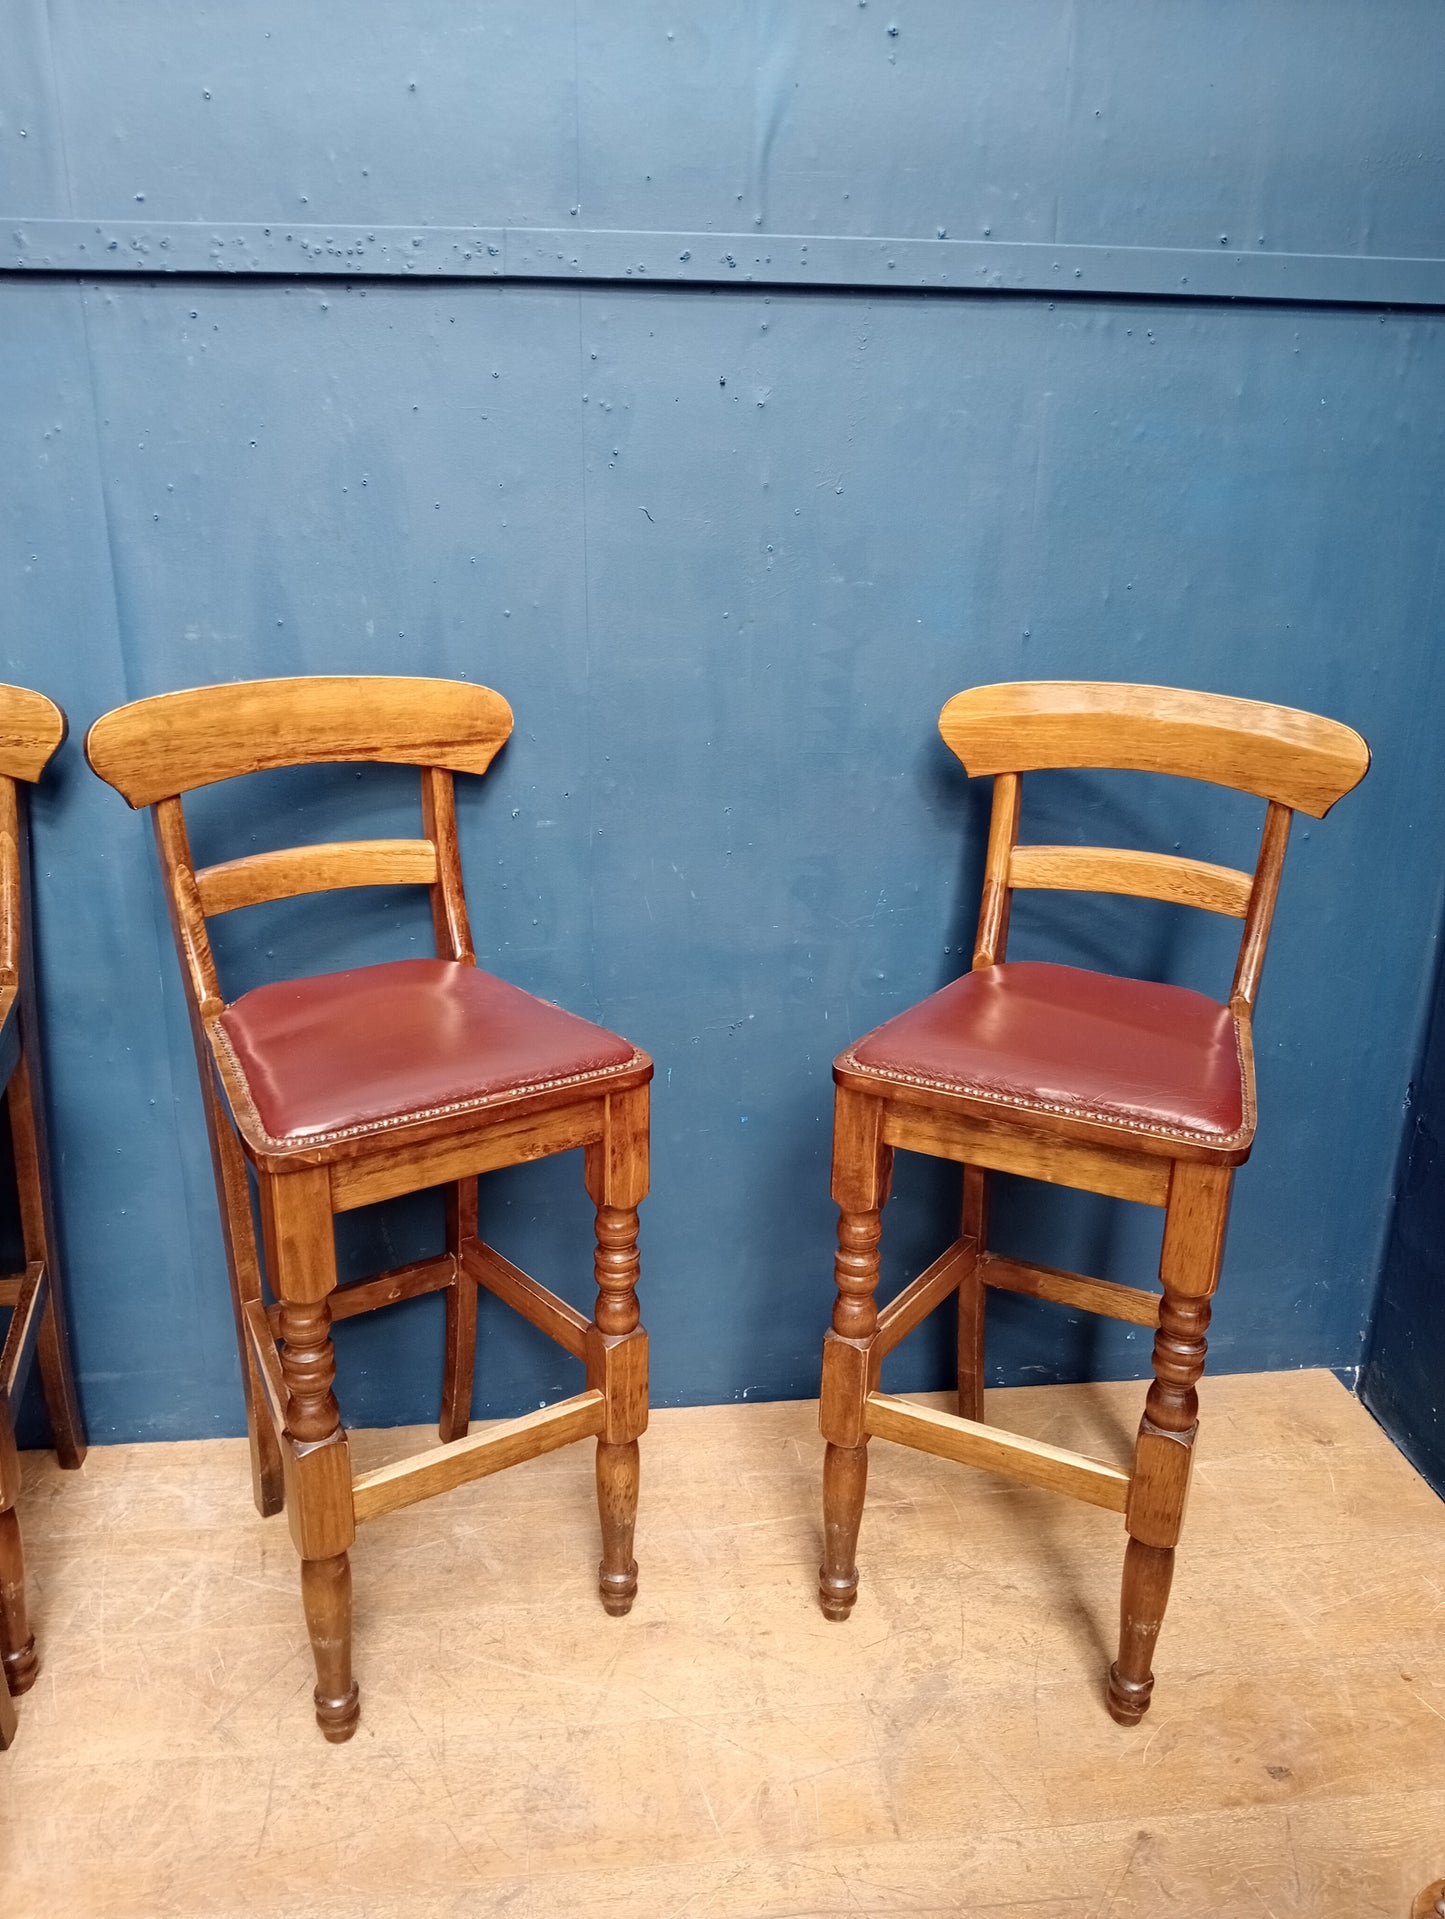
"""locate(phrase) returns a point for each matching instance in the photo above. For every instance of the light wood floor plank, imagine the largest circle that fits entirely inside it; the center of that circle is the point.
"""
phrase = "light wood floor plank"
(724, 1752)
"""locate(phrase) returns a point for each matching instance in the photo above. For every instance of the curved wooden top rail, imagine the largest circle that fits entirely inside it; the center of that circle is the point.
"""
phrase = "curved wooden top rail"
(1277, 752)
(156, 749)
(31, 728)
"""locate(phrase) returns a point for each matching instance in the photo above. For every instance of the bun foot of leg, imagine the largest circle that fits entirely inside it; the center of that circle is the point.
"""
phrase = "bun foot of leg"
(21, 1668)
(1128, 1699)
(338, 1718)
(617, 1590)
(837, 1595)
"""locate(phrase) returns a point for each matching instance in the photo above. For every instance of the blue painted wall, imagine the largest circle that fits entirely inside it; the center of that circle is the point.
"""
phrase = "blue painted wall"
(726, 548)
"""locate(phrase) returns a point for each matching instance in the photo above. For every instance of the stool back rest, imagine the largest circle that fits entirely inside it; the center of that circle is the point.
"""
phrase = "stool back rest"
(31, 730)
(1296, 761)
(154, 751)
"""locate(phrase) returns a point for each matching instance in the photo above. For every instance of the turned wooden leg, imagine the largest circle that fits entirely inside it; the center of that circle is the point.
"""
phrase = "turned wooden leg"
(971, 1295)
(1147, 1573)
(845, 1482)
(1163, 1453)
(17, 1642)
(326, 1596)
(461, 1334)
(616, 1171)
(617, 1484)
(862, 1169)
(617, 1362)
(301, 1259)
(37, 1218)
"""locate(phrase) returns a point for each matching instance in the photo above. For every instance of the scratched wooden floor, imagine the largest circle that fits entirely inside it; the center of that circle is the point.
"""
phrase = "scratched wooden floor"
(725, 1751)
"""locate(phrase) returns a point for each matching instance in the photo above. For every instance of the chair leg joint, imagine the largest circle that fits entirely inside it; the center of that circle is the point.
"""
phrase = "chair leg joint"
(617, 1368)
(849, 1375)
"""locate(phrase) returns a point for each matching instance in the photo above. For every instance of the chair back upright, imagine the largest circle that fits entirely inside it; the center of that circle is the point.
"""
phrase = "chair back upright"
(1296, 761)
(154, 751)
(32, 729)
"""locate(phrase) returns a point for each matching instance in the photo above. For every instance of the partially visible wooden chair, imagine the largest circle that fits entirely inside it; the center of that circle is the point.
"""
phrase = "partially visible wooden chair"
(1119, 1086)
(362, 1085)
(31, 728)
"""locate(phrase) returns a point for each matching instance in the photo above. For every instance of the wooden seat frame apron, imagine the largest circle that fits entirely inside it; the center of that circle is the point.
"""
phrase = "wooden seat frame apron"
(1295, 761)
(153, 752)
(31, 729)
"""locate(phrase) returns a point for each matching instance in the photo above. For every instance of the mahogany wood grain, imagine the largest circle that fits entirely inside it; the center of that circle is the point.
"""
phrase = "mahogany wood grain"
(845, 1486)
(158, 748)
(917, 1300)
(1032, 1461)
(449, 901)
(617, 1489)
(617, 1368)
(1152, 876)
(616, 1172)
(1148, 1575)
(1103, 1296)
(187, 915)
(9, 1720)
(22, 1335)
(1194, 1229)
(993, 1144)
(243, 1270)
(32, 730)
(412, 1281)
(850, 1371)
(459, 1365)
(485, 1266)
(326, 1597)
(17, 1643)
(1189, 1263)
(18, 1662)
(1003, 827)
(477, 1143)
(1293, 760)
(25, 1102)
(972, 1303)
(1159, 1484)
(293, 870)
(261, 1337)
(1260, 917)
(491, 1450)
(1276, 752)
(153, 752)
(862, 1174)
(12, 910)
(300, 1240)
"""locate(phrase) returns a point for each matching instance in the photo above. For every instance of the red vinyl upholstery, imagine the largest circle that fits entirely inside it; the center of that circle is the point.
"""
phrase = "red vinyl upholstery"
(380, 1045)
(1031, 1036)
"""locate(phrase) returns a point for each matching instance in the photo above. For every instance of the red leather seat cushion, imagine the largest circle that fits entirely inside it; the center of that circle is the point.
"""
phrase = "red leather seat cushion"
(384, 1044)
(1058, 1040)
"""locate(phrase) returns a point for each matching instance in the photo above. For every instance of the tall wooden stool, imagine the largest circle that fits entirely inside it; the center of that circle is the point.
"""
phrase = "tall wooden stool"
(31, 728)
(1118, 1086)
(362, 1085)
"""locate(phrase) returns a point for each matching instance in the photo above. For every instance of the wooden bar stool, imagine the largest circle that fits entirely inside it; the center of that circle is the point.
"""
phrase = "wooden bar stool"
(1118, 1086)
(31, 728)
(362, 1085)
